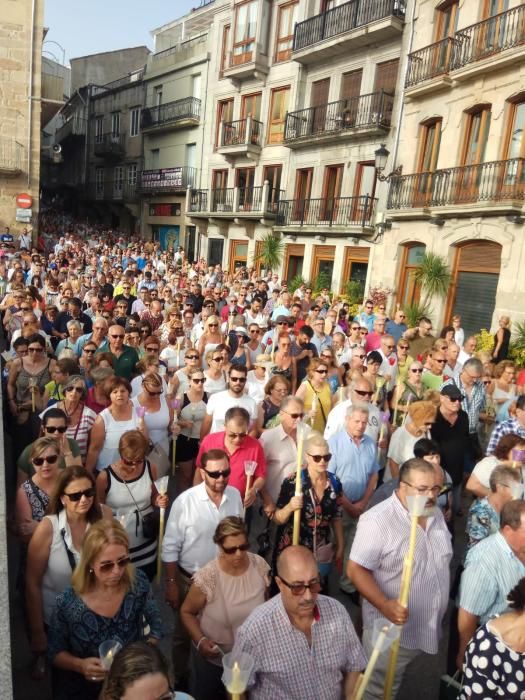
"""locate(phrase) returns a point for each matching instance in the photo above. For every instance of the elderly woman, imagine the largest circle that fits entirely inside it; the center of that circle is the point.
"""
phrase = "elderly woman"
(222, 595)
(510, 450)
(407, 391)
(54, 549)
(158, 415)
(107, 600)
(139, 671)
(422, 416)
(74, 330)
(315, 393)
(128, 487)
(268, 413)
(321, 525)
(119, 417)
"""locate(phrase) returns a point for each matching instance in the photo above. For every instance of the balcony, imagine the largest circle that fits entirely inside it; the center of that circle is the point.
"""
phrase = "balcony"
(179, 114)
(10, 158)
(250, 64)
(488, 188)
(341, 215)
(367, 115)
(349, 26)
(241, 138)
(182, 54)
(110, 146)
(494, 43)
(113, 191)
(166, 181)
(73, 127)
(237, 203)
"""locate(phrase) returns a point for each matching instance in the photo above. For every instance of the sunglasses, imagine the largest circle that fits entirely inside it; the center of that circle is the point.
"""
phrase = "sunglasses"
(363, 332)
(108, 566)
(360, 392)
(321, 371)
(354, 328)
(39, 461)
(131, 462)
(417, 371)
(455, 399)
(240, 548)
(298, 589)
(117, 335)
(198, 381)
(192, 357)
(217, 475)
(77, 495)
(241, 380)
(318, 458)
(402, 347)
(213, 325)
(441, 362)
(91, 352)
(237, 436)
(153, 393)
(359, 357)
(77, 389)
(53, 429)
(35, 349)
(152, 348)
(216, 359)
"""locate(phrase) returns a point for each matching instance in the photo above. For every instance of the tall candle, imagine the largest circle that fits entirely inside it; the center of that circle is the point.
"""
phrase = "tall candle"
(236, 687)
(298, 483)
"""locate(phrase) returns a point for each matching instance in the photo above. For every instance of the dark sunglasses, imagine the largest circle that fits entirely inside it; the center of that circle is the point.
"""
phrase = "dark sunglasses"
(192, 357)
(232, 550)
(360, 392)
(89, 351)
(238, 379)
(321, 371)
(235, 436)
(36, 349)
(107, 566)
(131, 462)
(325, 458)
(216, 359)
(153, 393)
(39, 461)
(77, 495)
(417, 371)
(298, 589)
(117, 335)
(217, 475)
(152, 348)
(53, 429)
(198, 381)
(295, 416)
(77, 389)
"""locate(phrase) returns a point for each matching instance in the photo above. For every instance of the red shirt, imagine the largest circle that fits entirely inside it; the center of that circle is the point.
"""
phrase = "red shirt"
(373, 341)
(250, 449)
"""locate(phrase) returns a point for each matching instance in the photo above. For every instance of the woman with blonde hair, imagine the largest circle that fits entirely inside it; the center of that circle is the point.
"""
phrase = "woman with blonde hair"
(216, 377)
(315, 393)
(502, 340)
(107, 600)
(158, 415)
(421, 418)
(211, 337)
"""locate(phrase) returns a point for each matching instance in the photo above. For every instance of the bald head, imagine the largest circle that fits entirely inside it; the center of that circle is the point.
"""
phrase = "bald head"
(296, 563)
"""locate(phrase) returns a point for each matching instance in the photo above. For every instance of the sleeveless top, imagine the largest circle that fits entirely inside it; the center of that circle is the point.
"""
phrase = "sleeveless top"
(279, 372)
(23, 382)
(239, 360)
(324, 404)
(57, 576)
(194, 412)
(130, 501)
(157, 423)
(212, 386)
(114, 429)
(38, 500)
(503, 352)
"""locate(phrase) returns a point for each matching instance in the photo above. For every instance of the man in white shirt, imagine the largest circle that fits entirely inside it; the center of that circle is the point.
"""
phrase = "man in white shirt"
(255, 314)
(188, 543)
(469, 348)
(220, 402)
(387, 350)
(453, 367)
(360, 392)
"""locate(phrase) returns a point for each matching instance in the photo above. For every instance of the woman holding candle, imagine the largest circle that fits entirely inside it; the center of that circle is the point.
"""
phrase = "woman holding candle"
(315, 393)
(80, 418)
(407, 391)
(107, 600)
(158, 414)
(321, 525)
(171, 354)
(422, 417)
(191, 414)
(128, 487)
(275, 391)
(222, 595)
(180, 383)
(216, 377)
(334, 375)
(119, 417)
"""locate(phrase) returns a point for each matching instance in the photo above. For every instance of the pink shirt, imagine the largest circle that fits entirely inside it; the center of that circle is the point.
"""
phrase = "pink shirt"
(250, 450)
(373, 342)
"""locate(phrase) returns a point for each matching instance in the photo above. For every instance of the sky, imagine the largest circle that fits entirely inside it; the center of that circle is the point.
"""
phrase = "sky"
(84, 27)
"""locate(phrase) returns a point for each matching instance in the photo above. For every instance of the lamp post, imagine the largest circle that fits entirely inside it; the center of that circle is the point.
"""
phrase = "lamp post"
(381, 157)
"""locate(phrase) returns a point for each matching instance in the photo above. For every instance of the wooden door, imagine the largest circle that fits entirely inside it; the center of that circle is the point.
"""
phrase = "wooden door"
(244, 180)
(409, 291)
(472, 156)
(430, 140)
(333, 176)
(513, 171)
(303, 189)
(319, 101)
(349, 96)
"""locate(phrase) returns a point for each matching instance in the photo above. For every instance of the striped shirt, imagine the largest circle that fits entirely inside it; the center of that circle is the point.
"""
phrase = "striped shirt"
(286, 666)
(380, 545)
(472, 405)
(491, 571)
(508, 426)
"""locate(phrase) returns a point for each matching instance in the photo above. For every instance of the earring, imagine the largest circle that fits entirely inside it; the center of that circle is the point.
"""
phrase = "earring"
(91, 571)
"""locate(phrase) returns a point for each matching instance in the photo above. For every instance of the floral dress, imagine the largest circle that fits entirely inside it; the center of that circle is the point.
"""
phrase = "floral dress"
(482, 521)
(316, 515)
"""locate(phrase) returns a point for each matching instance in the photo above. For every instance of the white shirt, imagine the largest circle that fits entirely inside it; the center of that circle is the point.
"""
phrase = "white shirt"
(337, 417)
(256, 386)
(220, 402)
(387, 368)
(454, 373)
(463, 357)
(280, 451)
(260, 319)
(192, 522)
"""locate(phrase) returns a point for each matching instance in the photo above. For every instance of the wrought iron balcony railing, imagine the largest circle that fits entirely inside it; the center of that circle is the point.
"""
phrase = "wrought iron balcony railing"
(188, 108)
(241, 132)
(374, 109)
(492, 182)
(344, 18)
(260, 200)
(111, 145)
(327, 212)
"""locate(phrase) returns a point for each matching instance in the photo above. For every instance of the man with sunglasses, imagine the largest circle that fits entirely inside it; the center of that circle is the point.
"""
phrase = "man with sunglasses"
(360, 391)
(354, 462)
(396, 326)
(376, 565)
(304, 644)
(220, 402)
(367, 317)
(433, 375)
(188, 542)
(125, 358)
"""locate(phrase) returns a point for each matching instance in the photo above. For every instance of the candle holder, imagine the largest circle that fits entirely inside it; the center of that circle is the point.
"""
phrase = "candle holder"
(250, 466)
(107, 652)
(237, 668)
(162, 488)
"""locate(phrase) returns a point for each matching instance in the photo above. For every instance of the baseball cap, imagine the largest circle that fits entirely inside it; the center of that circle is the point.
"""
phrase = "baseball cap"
(452, 391)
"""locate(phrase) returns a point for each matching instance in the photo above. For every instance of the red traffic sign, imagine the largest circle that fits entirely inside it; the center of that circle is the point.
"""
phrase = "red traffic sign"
(24, 201)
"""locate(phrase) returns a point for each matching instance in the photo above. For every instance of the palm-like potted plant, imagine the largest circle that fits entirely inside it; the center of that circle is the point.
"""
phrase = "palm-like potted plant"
(434, 277)
(271, 251)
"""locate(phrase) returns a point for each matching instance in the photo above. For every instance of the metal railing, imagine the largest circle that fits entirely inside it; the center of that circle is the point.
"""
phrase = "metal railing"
(113, 190)
(74, 126)
(330, 211)
(181, 48)
(260, 199)
(495, 181)
(10, 155)
(241, 132)
(355, 112)
(167, 179)
(171, 112)
(468, 45)
(222, 199)
(109, 145)
(250, 198)
(198, 200)
(344, 18)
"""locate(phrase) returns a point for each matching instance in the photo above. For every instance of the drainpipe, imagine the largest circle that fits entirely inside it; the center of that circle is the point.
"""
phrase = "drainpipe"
(30, 88)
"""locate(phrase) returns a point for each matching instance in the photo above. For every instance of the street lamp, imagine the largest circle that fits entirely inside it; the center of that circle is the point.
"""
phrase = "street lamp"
(381, 157)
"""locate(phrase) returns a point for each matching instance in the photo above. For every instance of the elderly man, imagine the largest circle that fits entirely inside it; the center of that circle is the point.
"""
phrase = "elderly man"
(320, 339)
(373, 339)
(220, 402)
(452, 367)
(188, 542)
(361, 392)
(124, 358)
(304, 644)
(376, 566)
(97, 336)
(397, 326)
(240, 448)
(354, 462)
(492, 568)
(387, 350)
(513, 425)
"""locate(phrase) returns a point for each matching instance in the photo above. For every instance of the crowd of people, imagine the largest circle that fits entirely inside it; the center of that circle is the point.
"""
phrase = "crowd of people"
(126, 364)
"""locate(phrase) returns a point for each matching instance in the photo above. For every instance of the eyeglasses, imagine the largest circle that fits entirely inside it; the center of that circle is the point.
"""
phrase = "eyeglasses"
(192, 357)
(422, 490)
(402, 347)
(108, 566)
(317, 458)
(217, 475)
(77, 389)
(361, 392)
(152, 348)
(213, 325)
(456, 398)
(35, 349)
(238, 379)
(198, 381)
(298, 589)
(295, 416)
(39, 461)
(237, 436)
(417, 371)
(131, 462)
(232, 550)
(216, 359)
(256, 331)
(441, 362)
(75, 496)
(53, 429)
(91, 352)
(116, 335)
(321, 371)
(363, 332)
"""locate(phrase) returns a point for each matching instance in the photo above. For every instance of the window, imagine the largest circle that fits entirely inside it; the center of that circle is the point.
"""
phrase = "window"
(224, 49)
(293, 261)
(115, 124)
(99, 183)
(273, 174)
(132, 174)
(303, 190)
(251, 106)
(364, 190)
(514, 150)
(429, 140)
(244, 180)
(118, 182)
(446, 19)
(409, 291)
(219, 179)
(333, 176)
(319, 100)
(278, 109)
(238, 255)
(157, 95)
(244, 32)
(476, 135)
(191, 160)
(220, 195)
(355, 266)
(224, 114)
(494, 7)
(286, 20)
(134, 121)
(99, 129)
(323, 265)
(215, 251)
(154, 155)
(386, 76)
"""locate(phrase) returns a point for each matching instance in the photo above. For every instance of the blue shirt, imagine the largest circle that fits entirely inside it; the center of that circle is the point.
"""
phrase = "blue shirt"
(352, 464)
(367, 320)
(396, 330)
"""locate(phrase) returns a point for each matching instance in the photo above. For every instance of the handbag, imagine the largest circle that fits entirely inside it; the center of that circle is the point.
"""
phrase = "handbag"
(157, 456)
(450, 686)
(150, 521)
